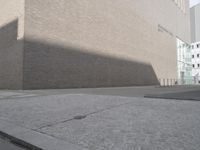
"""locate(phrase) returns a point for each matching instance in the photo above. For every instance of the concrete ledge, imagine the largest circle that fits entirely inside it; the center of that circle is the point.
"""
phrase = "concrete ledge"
(19, 142)
(32, 139)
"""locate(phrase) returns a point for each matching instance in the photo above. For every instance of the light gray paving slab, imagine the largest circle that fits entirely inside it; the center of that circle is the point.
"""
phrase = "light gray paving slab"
(145, 124)
(36, 112)
(11, 128)
(33, 139)
(47, 142)
(111, 122)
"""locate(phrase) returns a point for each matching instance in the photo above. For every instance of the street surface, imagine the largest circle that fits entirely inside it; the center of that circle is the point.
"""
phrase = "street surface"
(103, 119)
(6, 145)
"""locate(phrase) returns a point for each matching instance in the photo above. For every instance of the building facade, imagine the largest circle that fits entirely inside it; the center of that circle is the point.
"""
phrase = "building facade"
(195, 46)
(73, 44)
(195, 23)
(196, 62)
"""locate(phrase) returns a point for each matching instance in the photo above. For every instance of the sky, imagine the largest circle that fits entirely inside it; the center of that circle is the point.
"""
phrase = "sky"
(194, 2)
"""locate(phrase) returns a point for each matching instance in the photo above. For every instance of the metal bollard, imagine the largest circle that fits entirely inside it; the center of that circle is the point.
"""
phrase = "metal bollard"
(167, 82)
(164, 82)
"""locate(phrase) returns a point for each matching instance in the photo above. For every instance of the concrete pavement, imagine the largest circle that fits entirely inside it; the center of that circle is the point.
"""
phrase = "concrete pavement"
(184, 95)
(138, 91)
(6, 145)
(58, 120)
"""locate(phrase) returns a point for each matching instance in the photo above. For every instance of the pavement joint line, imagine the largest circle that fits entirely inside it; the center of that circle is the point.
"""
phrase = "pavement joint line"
(86, 115)
(55, 123)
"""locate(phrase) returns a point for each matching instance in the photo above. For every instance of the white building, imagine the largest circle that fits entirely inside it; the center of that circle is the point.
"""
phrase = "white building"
(195, 23)
(195, 46)
(196, 62)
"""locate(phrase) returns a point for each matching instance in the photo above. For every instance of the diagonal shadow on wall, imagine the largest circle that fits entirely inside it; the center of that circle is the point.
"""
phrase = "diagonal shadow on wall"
(48, 65)
(8, 34)
(11, 56)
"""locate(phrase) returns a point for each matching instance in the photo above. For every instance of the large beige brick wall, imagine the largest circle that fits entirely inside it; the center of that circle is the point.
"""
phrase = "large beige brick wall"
(89, 43)
(11, 43)
(101, 43)
(171, 14)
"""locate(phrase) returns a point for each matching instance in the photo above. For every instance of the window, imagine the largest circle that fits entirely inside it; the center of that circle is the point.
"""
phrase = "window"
(192, 56)
(198, 65)
(197, 45)
(198, 55)
(193, 66)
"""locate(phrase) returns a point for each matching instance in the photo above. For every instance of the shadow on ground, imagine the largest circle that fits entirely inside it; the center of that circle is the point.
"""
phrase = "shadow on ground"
(186, 95)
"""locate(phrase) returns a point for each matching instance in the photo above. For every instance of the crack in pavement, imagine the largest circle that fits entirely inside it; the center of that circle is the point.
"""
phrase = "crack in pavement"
(83, 116)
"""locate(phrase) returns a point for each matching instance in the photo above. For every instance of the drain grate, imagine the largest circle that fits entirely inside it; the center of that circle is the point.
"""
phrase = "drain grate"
(79, 117)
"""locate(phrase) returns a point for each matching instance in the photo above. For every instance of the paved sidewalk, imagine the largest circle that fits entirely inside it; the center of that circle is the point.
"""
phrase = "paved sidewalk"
(60, 121)
(137, 91)
(6, 145)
